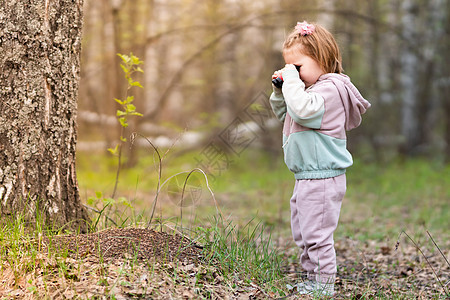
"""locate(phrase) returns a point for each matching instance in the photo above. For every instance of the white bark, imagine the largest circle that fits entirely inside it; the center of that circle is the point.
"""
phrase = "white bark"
(409, 76)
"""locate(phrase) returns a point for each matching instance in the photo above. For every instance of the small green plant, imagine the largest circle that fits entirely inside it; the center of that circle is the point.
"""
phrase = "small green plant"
(107, 202)
(130, 65)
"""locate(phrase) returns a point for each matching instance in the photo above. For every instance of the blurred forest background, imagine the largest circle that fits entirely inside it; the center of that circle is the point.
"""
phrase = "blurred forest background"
(205, 61)
(206, 84)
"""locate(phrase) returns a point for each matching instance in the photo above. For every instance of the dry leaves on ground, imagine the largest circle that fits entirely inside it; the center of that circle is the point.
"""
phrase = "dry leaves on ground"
(138, 263)
(371, 270)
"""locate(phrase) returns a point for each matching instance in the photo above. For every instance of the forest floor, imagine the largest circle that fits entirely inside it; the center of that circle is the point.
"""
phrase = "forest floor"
(137, 263)
(392, 241)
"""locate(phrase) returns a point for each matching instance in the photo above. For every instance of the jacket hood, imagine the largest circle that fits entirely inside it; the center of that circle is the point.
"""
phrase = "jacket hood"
(354, 103)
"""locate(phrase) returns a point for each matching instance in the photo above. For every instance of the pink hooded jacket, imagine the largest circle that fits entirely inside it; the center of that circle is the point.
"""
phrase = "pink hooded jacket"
(316, 121)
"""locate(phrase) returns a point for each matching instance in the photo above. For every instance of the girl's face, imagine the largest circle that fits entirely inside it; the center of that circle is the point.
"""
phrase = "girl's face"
(310, 69)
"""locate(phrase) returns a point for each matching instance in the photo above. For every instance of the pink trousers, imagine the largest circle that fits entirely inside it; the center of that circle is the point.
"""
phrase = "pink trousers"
(315, 208)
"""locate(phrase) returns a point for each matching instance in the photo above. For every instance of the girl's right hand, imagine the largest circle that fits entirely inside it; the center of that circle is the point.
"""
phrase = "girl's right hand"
(277, 74)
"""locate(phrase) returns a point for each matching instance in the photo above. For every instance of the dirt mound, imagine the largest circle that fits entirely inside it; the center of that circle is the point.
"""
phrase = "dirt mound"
(136, 243)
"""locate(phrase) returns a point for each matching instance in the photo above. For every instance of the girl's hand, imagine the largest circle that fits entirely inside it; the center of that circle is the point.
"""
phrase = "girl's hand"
(289, 67)
(277, 74)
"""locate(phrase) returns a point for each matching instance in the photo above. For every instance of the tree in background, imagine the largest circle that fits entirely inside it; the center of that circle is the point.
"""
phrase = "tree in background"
(205, 60)
(40, 45)
(422, 32)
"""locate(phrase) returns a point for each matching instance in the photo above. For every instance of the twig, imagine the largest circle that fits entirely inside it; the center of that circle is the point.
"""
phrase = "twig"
(182, 195)
(119, 164)
(218, 211)
(158, 186)
(424, 256)
(429, 234)
(174, 142)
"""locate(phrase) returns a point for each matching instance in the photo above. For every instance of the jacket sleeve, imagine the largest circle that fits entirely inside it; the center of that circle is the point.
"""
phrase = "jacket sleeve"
(278, 104)
(305, 108)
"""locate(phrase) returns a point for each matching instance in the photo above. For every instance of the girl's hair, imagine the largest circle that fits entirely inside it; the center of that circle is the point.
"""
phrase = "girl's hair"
(319, 45)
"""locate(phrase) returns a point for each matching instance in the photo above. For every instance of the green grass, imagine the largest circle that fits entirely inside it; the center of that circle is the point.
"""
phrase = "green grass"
(245, 254)
(234, 258)
(253, 196)
(381, 200)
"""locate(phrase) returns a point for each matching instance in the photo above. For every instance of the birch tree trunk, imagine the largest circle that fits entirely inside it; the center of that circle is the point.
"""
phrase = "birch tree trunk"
(40, 45)
(446, 85)
(409, 79)
(423, 32)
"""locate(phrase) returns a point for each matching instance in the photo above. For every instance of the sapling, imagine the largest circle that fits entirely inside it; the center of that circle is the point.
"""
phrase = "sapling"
(130, 65)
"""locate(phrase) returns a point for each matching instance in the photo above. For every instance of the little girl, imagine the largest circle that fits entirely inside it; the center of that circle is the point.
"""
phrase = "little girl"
(317, 104)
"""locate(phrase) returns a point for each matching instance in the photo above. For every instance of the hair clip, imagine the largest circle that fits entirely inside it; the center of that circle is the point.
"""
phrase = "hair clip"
(304, 28)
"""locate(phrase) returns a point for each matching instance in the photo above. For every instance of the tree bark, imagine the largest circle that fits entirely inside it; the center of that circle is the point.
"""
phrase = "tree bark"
(445, 82)
(409, 80)
(40, 46)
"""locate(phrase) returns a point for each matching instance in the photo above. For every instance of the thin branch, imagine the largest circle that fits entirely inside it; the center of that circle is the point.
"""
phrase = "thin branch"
(429, 234)
(424, 256)
(218, 211)
(119, 164)
(184, 189)
(158, 186)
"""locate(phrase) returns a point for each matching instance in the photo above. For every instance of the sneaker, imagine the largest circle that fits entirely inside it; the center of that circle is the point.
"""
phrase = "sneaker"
(325, 289)
(306, 288)
(315, 288)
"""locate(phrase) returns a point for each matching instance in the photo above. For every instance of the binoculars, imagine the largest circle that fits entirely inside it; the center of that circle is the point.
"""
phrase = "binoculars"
(278, 82)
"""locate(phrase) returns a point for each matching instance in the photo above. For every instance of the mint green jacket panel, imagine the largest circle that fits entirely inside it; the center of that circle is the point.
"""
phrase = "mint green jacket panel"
(313, 155)
(313, 149)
